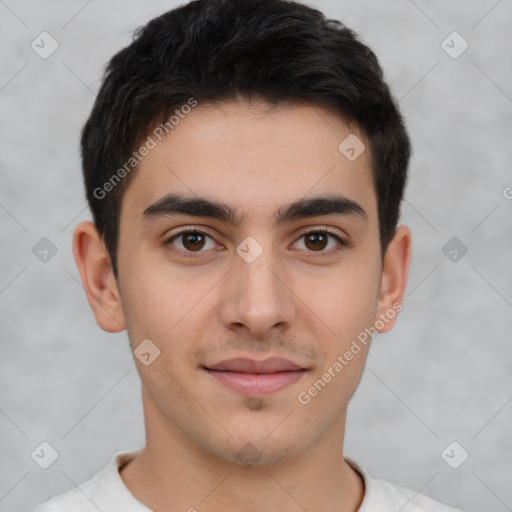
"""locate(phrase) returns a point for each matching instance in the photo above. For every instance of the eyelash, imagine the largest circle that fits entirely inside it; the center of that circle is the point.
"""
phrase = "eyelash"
(197, 254)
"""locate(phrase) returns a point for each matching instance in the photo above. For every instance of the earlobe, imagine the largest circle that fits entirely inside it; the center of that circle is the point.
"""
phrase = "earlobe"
(98, 279)
(395, 272)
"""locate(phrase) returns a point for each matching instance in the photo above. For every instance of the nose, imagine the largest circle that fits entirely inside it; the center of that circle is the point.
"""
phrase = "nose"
(257, 301)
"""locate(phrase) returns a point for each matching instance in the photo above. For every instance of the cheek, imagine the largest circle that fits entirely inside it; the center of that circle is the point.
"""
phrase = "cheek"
(166, 311)
(346, 302)
(329, 389)
(151, 308)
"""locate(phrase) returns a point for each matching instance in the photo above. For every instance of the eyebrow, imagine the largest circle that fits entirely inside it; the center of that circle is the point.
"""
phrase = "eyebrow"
(178, 204)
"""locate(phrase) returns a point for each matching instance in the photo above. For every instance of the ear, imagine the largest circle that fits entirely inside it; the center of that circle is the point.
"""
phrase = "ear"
(395, 272)
(98, 279)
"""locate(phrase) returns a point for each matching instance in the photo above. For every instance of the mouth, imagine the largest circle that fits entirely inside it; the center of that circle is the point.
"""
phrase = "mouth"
(256, 378)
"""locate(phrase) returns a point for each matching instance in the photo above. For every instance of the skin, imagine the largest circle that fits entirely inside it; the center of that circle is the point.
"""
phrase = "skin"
(290, 302)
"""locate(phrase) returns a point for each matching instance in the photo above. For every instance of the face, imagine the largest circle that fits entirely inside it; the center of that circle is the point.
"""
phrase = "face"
(283, 262)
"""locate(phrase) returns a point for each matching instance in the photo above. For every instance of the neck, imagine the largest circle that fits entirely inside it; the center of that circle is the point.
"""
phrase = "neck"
(174, 473)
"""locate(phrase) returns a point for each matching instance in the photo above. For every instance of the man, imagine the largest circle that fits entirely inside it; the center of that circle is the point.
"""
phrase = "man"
(244, 163)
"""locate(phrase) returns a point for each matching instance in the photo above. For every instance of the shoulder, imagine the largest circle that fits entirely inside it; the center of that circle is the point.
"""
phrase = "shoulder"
(402, 496)
(102, 492)
(381, 496)
(74, 499)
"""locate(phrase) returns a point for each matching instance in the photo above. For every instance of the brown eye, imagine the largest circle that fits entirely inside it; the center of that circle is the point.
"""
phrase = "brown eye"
(319, 241)
(192, 243)
(316, 241)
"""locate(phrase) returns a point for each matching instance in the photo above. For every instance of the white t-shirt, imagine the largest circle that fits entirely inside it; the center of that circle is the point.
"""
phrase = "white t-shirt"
(107, 492)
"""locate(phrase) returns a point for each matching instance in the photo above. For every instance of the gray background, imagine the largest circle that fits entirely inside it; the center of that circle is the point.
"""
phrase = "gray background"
(442, 375)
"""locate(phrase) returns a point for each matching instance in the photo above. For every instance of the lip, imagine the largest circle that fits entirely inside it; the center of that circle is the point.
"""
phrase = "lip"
(255, 378)
(246, 365)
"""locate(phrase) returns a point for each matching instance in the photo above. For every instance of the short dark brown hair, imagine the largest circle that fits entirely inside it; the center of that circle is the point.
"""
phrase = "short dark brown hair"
(217, 50)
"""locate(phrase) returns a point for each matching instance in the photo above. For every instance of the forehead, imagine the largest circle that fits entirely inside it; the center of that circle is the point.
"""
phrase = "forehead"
(253, 158)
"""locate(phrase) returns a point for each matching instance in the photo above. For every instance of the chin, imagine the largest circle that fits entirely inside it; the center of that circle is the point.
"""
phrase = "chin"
(257, 453)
